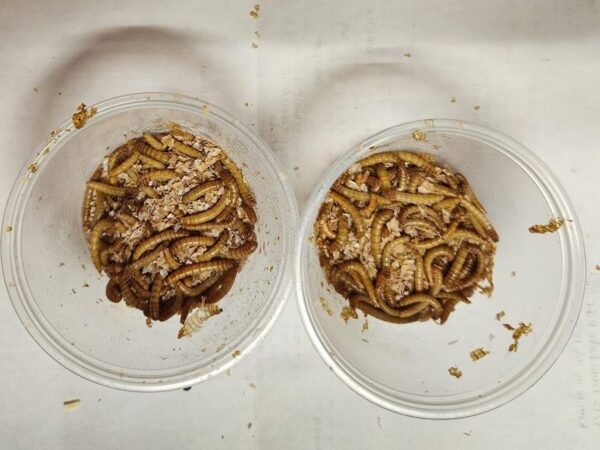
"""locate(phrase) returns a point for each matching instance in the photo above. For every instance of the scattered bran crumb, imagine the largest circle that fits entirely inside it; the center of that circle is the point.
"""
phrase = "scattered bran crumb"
(597, 265)
(36, 89)
(500, 315)
(476, 107)
(365, 326)
(419, 135)
(254, 45)
(453, 100)
(236, 354)
(82, 115)
(148, 322)
(521, 330)
(551, 227)
(478, 353)
(455, 372)
(513, 273)
(326, 307)
(8, 229)
(253, 385)
(71, 404)
(348, 313)
(296, 168)
(33, 168)
(255, 12)
(249, 425)
(407, 55)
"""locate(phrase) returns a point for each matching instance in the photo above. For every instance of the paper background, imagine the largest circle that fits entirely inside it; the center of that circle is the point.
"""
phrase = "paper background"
(324, 76)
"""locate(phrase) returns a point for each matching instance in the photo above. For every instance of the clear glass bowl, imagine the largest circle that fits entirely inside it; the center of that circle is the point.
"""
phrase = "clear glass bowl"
(47, 267)
(538, 279)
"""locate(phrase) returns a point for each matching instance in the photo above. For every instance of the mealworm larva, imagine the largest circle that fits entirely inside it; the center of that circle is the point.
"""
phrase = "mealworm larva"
(180, 147)
(87, 206)
(242, 251)
(149, 191)
(347, 205)
(228, 214)
(359, 269)
(207, 226)
(152, 163)
(126, 218)
(417, 199)
(384, 177)
(130, 298)
(379, 158)
(431, 255)
(99, 206)
(250, 213)
(153, 241)
(113, 291)
(468, 236)
(353, 194)
(154, 303)
(147, 259)
(374, 183)
(415, 160)
(415, 180)
(437, 281)
(220, 289)
(125, 165)
(201, 190)
(403, 178)
(243, 188)
(465, 189)
(115, 191)
(101, 227)
(170, 260)
(379, 221)
(144, 149)
(457, 264)
(483, 220)
(342, 234)
(118, 155)
(478, 227)
(422, 298)
(133, 175)
(448, 204)
(153, 142)
(197, 268)
(467, 267)
(170, 308)
(209, 214)
(159, 175)
(195, 291)
(344, 279)
(139, 279)
(436, 188)
(421, 224)
(195, 321)
(419, 274)
(370, 208)
(475, 276)
(423, 211)
(178, 246)
(362, 302)
(390, 248)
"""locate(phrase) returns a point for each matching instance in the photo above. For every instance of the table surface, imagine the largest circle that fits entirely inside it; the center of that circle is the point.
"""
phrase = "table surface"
(320, 77)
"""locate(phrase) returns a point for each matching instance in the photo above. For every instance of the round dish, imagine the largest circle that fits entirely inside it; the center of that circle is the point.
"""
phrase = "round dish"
(59, 296)
(539, 279)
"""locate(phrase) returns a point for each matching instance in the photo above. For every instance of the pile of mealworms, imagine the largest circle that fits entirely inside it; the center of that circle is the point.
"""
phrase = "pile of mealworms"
(404, 238)
(170, 219)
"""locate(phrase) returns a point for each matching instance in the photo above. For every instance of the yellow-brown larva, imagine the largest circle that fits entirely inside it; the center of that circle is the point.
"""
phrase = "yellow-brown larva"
(250, 213)
(125, 165)
(416, 199)
(353, 194)
(209, 214)
(180, 147)
(390, 248)
(144, 149)
(370, 208)
(101, 227)
(151, 163)
(197, 268)
(220, 289)
(153, 142)
(441, 251)
(241, 251)
(384, 177)
(480, 216)
(455, 268)
(359, 269)
(379, 221)
(153, 241)
(419, 273)
(197, 319)
(342, 234)
(243, 188)
(179, 245)
(154, 306)
(347, 205)
(194, 291)
(422, 298)
(202, 190)
(379, 158)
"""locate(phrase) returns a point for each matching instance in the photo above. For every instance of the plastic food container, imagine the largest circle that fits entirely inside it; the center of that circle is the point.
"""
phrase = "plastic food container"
(58, 294)
(539, 279)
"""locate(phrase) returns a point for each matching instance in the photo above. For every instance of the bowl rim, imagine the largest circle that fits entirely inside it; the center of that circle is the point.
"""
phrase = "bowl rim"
(10, 249)
(571, 244)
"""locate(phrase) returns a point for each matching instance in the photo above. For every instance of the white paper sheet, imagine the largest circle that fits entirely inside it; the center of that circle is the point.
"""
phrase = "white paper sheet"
(323, 76)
